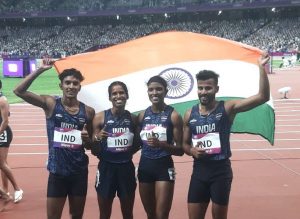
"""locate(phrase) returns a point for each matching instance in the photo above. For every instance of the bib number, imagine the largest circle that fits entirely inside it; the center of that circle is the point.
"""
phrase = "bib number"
(3, 137)
(67, 138)
(209, 141)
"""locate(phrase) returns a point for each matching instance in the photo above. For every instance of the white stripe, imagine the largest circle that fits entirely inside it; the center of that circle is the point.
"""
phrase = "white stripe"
(136, 81)
(32, 136)
(23, 124)
(265, 149)
(286, 120)
(28, 130)
(287, 132)
(263, 140)
(287, 125)
(287, 115)
(281, 111)
(286, 100)
(29, 145)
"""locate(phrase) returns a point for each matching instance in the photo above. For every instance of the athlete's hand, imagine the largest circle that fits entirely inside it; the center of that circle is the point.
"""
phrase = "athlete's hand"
(263, 59)
(47, 63)
(102, 134)
(197, 151)
(153, 141)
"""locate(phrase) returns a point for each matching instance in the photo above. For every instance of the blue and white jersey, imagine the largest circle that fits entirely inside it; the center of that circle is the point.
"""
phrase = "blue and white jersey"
(161, 126)
(117, 147)
(211, 132)
(66, 152)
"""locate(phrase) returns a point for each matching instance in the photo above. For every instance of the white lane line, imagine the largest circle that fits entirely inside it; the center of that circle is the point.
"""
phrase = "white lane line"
(279, 163)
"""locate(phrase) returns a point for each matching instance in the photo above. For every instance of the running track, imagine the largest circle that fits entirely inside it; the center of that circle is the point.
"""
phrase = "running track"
(266, 178)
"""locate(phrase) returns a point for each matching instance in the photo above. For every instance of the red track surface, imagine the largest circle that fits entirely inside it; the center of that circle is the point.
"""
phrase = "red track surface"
(266, 179)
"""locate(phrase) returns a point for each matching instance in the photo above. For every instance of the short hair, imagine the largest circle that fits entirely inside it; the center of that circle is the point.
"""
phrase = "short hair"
(0, 84)
(123, 85)
(159, 80)
(207, 74)
(71, 72)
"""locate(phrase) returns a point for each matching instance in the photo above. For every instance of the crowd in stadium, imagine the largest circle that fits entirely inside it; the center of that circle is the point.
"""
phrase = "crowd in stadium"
(281, 33)
(67, 5)
(59, 41)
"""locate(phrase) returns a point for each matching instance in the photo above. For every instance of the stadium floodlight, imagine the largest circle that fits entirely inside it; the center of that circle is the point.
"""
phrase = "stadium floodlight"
(220, 12)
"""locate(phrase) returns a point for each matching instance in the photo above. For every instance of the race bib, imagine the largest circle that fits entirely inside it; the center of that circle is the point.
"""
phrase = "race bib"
(118, 142)
(159, 132)
(67, 138)
(3, 137)
(209, 141)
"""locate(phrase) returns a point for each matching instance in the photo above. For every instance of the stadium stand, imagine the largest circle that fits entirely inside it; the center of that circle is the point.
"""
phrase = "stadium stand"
(268, 28)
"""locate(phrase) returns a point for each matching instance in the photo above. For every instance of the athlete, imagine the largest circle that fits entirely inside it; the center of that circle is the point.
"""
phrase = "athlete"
(206, 137)
(115, 144)
(160, 128)
(6, 137)
(66, 118)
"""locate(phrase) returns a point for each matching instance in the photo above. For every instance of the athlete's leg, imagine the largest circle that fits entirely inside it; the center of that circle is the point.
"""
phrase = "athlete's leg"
(76, 207)
(105, 205)
(4, 182)
(55, 207)
(164, 196)
(4, 177)
(6, 169)
(197, 210)
(219, 211)
(127, 206)
(220, 192)
(147, 193)
(5, 199)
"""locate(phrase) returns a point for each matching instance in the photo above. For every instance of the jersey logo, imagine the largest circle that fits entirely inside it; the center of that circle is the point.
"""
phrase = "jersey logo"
(193, 121)
(218, 116)
(58, 115)
(147, 118)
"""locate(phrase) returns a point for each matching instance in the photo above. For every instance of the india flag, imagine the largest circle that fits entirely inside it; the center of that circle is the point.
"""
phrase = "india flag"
(177, 57)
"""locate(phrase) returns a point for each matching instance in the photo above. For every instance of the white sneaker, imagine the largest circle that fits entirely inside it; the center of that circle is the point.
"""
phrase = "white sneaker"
(18, 195)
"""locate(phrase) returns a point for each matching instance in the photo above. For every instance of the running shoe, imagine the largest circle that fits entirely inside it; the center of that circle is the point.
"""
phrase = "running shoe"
(18, 195)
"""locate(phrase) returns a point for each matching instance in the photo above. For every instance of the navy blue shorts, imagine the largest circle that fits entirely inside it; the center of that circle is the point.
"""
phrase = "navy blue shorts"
(152, 170)
(211, 180)
(63, 186)
(6, 137)
(115, 178)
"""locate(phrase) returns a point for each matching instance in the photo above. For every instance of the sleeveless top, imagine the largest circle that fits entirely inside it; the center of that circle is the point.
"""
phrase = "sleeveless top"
(212, 131)
(117, 148)
(161, 125)
(66, 153)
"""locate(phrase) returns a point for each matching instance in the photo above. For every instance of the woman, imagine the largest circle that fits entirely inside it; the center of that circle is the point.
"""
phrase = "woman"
(5, 140)
(114, 146)
(161, 132)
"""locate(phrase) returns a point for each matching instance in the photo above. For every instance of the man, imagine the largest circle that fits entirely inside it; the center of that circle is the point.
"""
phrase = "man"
(69, 128)
(207, 125)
